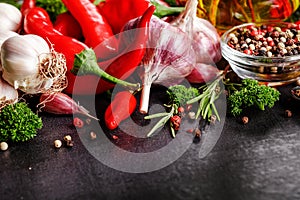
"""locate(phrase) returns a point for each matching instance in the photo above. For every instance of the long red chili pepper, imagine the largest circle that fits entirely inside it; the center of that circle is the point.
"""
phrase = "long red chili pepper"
(27, 4)
(38, 22)
(68, 25)
(123, 65)
(121, 107)
(25, 7)
(96, 29)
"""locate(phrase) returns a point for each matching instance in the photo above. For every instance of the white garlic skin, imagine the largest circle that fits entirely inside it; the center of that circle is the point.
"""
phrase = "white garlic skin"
(4, 35)
(20, 62)
(10, 17)
(8, 94)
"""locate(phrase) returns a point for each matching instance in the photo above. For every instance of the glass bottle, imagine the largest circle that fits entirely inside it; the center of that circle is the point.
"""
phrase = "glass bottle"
(224, 14)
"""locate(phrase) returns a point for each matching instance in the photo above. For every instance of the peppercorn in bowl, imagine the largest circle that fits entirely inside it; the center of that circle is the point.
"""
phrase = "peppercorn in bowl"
(269, 53)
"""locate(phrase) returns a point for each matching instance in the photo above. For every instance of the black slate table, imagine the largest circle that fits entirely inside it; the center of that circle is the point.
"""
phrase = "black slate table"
(256, 161)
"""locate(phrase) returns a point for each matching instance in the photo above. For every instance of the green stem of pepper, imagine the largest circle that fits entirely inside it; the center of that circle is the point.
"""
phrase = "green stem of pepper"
(96, 2)
(85, 63)
(163, 11)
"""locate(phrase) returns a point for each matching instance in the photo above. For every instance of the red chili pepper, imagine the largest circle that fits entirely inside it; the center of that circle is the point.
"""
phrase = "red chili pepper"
(124, 65)
(95, 28)
(68, 25)
(119, 12)
(27, 4)
(121, 107)
(38, 22)
(25, 7)
(78, 122)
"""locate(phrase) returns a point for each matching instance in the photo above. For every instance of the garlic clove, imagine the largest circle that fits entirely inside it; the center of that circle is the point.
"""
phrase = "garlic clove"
(10, 17)
(8, 95)
(4, 35)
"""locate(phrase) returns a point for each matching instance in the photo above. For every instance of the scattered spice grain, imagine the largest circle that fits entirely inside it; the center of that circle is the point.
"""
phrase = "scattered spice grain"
(288, 113)
(3, 146)
(57, 144)
(245, 120)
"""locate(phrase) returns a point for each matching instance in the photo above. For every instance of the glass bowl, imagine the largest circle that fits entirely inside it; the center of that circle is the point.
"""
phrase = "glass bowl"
(273, 70)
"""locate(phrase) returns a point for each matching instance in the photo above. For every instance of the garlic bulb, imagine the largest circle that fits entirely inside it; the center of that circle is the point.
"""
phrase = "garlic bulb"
(10, 17)
(30, 65)
(8, 94)
(206, 40)
(169, 58)
(3, 36)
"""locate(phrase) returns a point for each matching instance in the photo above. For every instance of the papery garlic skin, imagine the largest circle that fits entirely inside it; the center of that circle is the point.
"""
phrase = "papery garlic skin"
(206, 40)
(4, 35)
(10, 17)
(8, 94)
(168, 59)
(20, 62)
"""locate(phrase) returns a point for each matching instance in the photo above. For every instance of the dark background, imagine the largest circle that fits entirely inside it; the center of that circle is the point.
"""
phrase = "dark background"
(259, 160)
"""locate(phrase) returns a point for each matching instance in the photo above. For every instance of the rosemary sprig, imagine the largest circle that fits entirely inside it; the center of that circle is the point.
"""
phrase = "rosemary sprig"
(180, 95)
(210, 93)
(165, 118)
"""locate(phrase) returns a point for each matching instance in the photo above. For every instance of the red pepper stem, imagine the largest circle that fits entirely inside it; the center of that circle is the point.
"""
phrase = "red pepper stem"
(86, 63)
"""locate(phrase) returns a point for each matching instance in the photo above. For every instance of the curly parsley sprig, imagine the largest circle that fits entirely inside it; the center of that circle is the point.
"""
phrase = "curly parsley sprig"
(250, 93)
(18, 123)
(53, 7)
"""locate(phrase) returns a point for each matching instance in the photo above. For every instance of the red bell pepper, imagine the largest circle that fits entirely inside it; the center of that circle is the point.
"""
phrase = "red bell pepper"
(121, 107)
(68, 26)
(38, 22)
(96, 29)
(119, 12)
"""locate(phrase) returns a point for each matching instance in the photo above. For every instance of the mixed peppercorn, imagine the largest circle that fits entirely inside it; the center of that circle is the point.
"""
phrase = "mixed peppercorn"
(266, 40)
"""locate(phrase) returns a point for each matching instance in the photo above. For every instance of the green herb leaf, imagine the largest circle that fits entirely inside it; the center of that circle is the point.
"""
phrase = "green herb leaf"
(18, 123)
(180, 94)
(210, 93)
(250, 93)
(53, 7)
